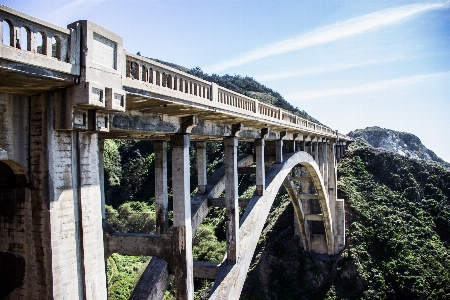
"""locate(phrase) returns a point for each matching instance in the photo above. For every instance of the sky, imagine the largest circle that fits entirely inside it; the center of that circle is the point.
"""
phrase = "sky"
(349, 64)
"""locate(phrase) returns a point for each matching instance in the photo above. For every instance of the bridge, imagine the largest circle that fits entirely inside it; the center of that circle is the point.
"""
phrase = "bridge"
(63, 91)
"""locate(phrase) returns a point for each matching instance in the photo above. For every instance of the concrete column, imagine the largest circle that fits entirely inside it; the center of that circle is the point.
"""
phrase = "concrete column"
(260, 169)
(332, 176)
(325, 163)
(316, 151)
(279, 151)
(231, 199)
(249, 148)
(320, 152)
(101, 174)
(161, 198)
(338, 151)
(201, 166)
(182, 229)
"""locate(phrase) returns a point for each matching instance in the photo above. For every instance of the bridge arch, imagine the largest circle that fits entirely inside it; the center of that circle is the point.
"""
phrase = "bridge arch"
(231, 278)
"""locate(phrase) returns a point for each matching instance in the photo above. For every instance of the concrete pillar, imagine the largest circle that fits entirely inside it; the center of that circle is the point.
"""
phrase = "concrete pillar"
(310, 147)
(332, 177)
(260, 169)
(161, 198)
(249, 148)
(231, 199)
(182, 229)
(279, 151)
(201, 166)
(325, 163)
(320, 152)
(316, 151)
(338, 151)
(101, 174)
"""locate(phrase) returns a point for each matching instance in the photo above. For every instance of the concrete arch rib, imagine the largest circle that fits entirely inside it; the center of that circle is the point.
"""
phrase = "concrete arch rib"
(231, 278)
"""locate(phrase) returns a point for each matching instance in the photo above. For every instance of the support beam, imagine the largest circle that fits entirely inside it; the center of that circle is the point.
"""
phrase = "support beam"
(206, 269)
(260, 168)
(231, 199)
(161, 197)
(153, 282)
(246, 170)
(201, 166)
(313, 217)
(182, 228)
(220, 202)
(137, 244)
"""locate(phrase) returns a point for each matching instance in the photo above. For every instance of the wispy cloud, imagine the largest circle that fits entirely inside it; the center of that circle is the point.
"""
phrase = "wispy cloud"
(330, 33)
(369, 87)
(320, 69)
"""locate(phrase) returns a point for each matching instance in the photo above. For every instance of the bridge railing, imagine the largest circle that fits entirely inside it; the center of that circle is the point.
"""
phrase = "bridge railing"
(157, 76)
(30, 40)
(236, 100)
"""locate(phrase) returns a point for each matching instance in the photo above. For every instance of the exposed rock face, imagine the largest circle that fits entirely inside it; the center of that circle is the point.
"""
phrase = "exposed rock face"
(402, 143)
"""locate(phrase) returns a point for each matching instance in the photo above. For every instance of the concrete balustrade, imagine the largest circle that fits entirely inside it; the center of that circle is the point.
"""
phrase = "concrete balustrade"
(37, 42)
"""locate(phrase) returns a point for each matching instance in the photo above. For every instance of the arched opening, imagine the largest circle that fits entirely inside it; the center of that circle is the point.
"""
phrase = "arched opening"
(7, 33)
(8, 205)
(169, 81)
(164, 79)
(150, 75)
(56, 47)
(175, 83)
(12, 197)
(144, 73)
(25, 39)
(41, 43)
(158, 78)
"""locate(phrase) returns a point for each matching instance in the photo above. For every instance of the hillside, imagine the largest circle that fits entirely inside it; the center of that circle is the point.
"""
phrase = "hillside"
(402, 143)
(398, 219)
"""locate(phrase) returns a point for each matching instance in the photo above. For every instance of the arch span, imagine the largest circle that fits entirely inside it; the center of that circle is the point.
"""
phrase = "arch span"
(231, 278)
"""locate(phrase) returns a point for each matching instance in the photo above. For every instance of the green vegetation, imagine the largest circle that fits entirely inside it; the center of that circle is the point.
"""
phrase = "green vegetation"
(400, 236)
(398, 221)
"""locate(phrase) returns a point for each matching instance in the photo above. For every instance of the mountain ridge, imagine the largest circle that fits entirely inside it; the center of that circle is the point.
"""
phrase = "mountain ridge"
(402, 143)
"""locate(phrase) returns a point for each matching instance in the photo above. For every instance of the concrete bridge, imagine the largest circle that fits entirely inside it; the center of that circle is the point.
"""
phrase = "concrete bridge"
(63, 91)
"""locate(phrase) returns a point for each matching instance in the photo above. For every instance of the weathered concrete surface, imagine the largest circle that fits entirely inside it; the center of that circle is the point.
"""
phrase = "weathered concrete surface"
(153, 282)
(229, 283)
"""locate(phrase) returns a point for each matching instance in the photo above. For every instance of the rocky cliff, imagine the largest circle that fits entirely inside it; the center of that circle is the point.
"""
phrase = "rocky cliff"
(402, 143)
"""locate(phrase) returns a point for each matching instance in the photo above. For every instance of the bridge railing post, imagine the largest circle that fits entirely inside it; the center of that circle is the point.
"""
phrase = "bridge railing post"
(231, 199)
(182, 228)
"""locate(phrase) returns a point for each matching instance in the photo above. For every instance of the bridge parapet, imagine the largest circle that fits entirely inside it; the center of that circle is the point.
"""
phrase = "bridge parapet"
(39, 43)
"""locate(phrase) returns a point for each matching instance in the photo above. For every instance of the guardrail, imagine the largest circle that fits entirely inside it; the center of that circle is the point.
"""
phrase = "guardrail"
(149, 75)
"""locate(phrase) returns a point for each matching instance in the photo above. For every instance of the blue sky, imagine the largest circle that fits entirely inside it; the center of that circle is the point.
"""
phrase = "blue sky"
(350, 64)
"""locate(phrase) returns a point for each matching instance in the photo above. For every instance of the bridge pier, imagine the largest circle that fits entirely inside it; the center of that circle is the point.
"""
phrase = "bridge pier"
(201, 167)
(182, 228)
(231, 199)
(161, 197)
(260, 167)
